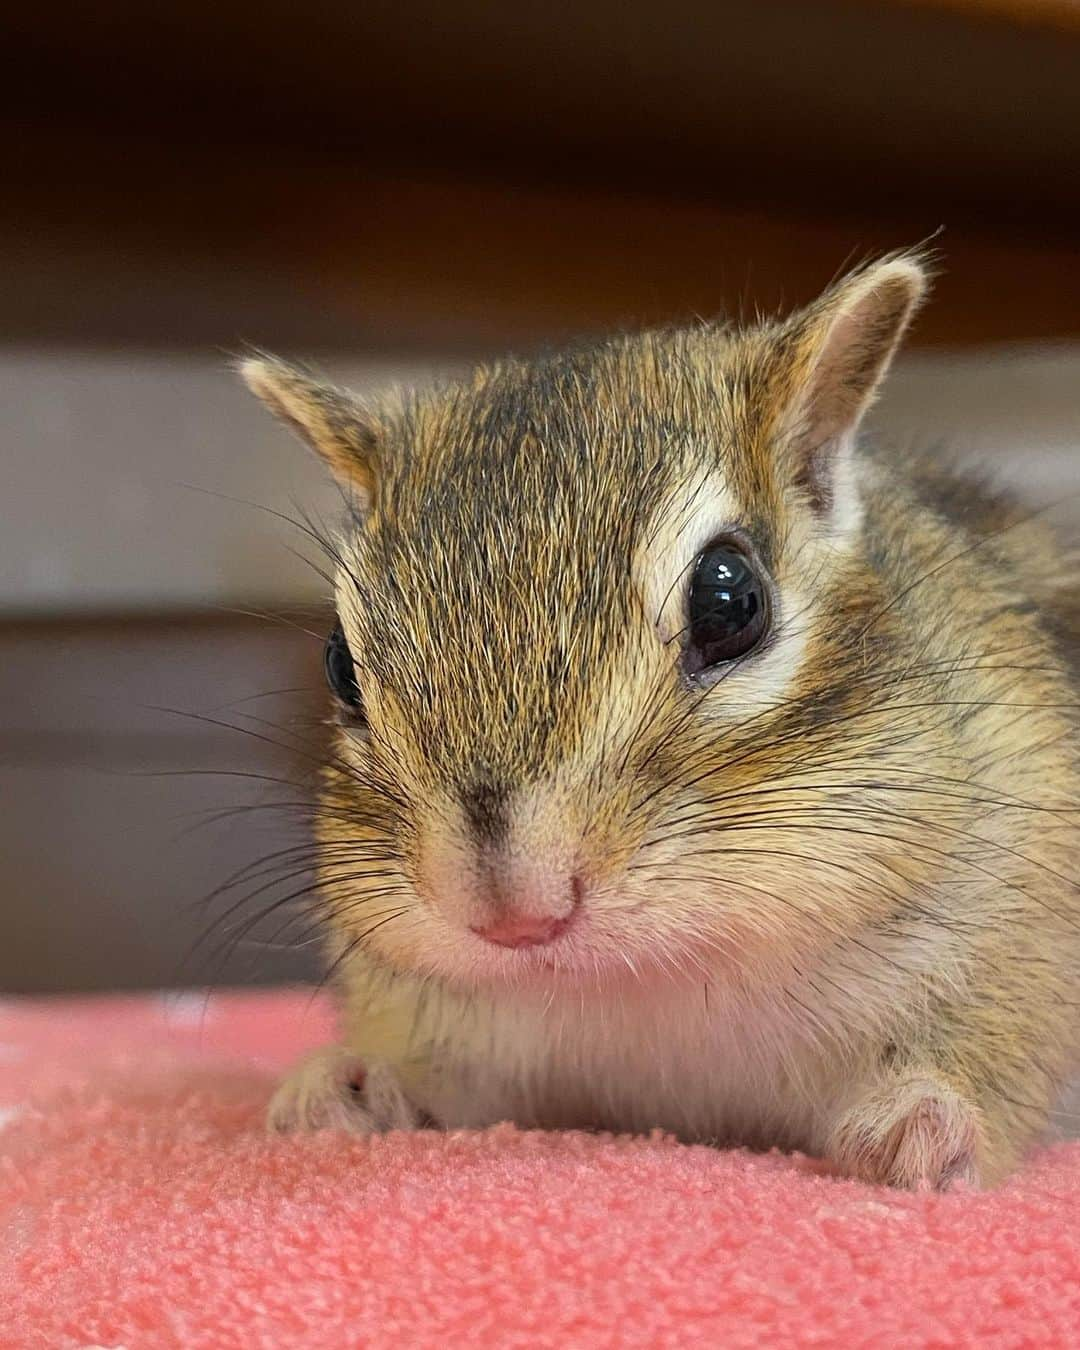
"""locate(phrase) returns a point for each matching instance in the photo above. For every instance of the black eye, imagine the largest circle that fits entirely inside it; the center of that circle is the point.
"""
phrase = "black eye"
(340, 674)
(728, 608)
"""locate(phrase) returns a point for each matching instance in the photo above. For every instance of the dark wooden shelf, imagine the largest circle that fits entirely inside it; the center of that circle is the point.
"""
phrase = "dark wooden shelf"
(842, 101)
(193, 247)
(418, 176)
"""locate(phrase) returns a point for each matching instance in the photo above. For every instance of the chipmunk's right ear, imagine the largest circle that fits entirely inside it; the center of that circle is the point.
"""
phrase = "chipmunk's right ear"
(331, 420)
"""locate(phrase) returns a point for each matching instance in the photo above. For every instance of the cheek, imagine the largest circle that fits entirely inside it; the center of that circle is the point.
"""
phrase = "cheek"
(389, 774)
(445, 868)
(370, 899)
(748, 690)
(751, 860)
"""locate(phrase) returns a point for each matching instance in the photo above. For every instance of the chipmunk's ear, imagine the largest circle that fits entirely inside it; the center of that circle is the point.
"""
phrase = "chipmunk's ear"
(834, 356)
(331, 420)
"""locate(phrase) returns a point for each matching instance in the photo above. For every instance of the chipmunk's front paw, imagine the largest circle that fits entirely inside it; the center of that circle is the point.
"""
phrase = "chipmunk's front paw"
(917, 1134)
(333, 1090)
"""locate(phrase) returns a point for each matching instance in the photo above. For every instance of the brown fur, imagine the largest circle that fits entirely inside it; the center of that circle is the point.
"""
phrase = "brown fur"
(830, 894)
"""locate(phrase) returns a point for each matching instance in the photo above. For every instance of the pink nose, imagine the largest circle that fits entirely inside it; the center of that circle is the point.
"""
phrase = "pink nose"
(526, 907)
(523, 930)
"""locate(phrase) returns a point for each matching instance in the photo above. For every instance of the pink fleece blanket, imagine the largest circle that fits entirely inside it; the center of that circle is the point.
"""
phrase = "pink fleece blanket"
(141, 1205)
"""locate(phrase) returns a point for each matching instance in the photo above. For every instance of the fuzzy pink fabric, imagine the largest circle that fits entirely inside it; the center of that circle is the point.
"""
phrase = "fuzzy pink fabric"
(141, 1205)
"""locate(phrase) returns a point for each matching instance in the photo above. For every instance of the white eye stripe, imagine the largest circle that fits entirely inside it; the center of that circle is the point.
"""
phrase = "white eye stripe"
(700, 510)
(697, 514)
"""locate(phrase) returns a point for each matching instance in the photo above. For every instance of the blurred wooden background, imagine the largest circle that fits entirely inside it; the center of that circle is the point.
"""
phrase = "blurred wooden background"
(407, 183)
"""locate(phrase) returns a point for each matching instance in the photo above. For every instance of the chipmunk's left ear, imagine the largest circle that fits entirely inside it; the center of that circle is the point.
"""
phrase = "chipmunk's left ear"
(331, 420)
(834, 356)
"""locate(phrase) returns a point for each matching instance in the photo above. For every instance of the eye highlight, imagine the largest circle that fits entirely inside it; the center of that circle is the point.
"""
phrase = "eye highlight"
(728, 608)
(341, 673)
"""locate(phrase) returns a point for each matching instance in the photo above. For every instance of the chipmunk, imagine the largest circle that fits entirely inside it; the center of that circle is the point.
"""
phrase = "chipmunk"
(699, 767)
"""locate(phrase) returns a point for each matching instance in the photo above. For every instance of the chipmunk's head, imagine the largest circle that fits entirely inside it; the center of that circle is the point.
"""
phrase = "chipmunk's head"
(577, 601)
